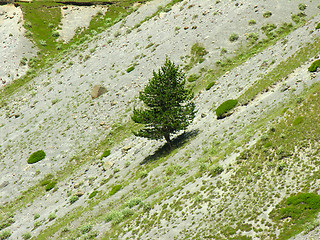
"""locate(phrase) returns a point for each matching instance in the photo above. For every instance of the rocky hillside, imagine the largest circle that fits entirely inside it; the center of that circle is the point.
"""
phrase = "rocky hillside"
(251, 175)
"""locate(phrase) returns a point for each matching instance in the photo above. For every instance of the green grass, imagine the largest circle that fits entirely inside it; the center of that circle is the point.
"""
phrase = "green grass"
(42, 19)
(300, 209)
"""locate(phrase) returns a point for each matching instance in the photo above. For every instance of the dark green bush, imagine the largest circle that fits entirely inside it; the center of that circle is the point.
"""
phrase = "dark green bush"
(36, 156)
(130, 69)
(93, 194)
(50, 185)
(115, 189)
(106, 153)
(225, 107)
(302, 6)
(318, 26)
(314, 66)
(210, 85)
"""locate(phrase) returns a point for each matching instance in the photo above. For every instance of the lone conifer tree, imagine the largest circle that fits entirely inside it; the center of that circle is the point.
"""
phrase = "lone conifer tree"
(168, 104)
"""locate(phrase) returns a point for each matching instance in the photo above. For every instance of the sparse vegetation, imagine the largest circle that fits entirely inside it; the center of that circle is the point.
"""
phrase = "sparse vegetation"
(233, 37)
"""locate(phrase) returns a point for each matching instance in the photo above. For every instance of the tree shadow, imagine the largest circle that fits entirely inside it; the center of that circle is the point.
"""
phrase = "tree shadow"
(165, 150)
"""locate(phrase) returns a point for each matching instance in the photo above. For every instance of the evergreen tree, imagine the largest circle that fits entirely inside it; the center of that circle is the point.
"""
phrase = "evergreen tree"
(169, 108)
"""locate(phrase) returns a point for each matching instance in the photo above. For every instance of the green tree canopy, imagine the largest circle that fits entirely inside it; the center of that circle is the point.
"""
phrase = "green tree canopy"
(169, 108)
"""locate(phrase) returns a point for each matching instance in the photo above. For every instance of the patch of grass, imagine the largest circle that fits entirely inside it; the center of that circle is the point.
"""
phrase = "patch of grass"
(299, 209)
(297, 121)
(225, 107)
(36, 157)
(41, 18)
(197, 55)
(193, 77)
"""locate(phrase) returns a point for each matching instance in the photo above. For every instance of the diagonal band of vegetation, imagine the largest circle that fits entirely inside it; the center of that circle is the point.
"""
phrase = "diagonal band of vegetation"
(282, 70)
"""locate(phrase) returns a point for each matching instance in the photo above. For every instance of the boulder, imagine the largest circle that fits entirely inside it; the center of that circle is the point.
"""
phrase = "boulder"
(98, 91)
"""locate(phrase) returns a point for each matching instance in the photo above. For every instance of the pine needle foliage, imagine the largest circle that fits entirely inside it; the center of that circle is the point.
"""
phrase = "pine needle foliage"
(168, 106)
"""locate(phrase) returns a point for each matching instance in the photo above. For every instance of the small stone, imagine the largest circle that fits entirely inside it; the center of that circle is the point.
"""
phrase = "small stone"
(107, 165)
(102, 123)
(124, 150)
(4, 184)
(79, 194)
(98, 91)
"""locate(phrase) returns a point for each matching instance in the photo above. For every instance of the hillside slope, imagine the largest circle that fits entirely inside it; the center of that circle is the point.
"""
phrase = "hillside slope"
(222, 180)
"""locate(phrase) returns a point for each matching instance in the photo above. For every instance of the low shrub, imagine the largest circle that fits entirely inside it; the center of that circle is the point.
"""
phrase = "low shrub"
(252, 22)
(314, 66)
(233, 37)
(106, 153)
(51, 216)
(133, 202)
(85, 228)
(115, 189)
(5, 234)
(36, 156)
(26, 236)
(130, 69)
(93, 194)
(215, 170)
(50, 186)
(267, 14)
(318, 26)
(210, 85)
(73, 199)
(302, 6)
(225, 107)
(299, 17)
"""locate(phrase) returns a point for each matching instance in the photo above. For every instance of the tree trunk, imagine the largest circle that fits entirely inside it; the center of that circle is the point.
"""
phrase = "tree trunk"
(167, 138)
